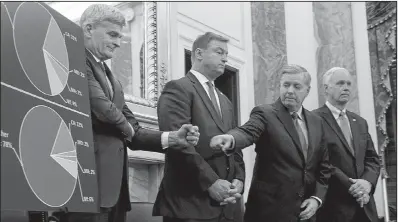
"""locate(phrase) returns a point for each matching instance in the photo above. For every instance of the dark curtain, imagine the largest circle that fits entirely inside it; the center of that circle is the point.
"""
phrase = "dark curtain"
(382, 27)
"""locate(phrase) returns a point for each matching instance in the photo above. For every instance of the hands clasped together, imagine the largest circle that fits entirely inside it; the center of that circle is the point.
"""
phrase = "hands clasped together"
(222, 191)
(360, 190)
(225, 192)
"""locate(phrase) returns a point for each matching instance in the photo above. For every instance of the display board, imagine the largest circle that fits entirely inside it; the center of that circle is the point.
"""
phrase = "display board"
(47, 153)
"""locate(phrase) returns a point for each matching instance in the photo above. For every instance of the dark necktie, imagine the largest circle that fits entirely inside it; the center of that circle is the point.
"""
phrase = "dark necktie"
(345, 128)
(213, 97)
(107, 79)
(300, 133)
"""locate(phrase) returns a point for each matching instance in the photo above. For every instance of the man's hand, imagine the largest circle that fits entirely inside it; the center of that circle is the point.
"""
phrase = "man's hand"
(309, 206)
(234, 192)
(359, 187)
(236, 187)
(222, 142)
(364, 199)
(185, 136)
(219, 190)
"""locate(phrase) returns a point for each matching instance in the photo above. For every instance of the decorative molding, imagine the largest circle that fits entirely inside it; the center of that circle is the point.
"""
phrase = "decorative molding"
(139, 100)
(151, 51)
(163, 76)
(149, 84)
(146, 118)
(202, 28)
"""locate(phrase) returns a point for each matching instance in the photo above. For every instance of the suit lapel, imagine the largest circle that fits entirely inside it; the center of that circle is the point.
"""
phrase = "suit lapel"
(115, 86)
(355, 132)
(206, 100)
(225, 110)
(312, 131)
(287, 121)
(331, 121)
(98, 73)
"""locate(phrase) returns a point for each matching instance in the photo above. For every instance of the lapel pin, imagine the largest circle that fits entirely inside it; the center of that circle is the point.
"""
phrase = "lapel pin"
(354, 120)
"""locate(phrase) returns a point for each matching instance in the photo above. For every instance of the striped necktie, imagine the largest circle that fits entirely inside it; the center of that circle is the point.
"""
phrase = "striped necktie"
(303, 142)
(345, 128)
(213, 97)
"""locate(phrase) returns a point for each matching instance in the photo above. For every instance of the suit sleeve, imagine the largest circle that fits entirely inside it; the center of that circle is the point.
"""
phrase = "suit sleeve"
(144, 139)
(104, 109)
(174, 110)
(240, 167)
(372, 162)
(239, 164)
(324, 168)
(251, 131)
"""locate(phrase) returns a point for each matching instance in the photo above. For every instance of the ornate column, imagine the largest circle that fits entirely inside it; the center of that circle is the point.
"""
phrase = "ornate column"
(269, 49)
(333, 30)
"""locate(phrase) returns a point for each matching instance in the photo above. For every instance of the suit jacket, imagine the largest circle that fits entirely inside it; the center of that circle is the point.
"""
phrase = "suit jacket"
(282, 178)
(112, 133)
(190, 172)
(364, 164)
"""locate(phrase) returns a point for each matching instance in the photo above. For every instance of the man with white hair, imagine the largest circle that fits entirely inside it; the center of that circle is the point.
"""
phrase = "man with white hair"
(114, 125)
(355, 163)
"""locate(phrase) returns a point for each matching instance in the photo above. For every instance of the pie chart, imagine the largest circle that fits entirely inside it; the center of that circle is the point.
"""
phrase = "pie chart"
(44, 58)
(48, 155)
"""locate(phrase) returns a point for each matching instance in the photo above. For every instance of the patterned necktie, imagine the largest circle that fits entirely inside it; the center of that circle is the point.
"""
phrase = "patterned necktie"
(345, 128)
(107, 79)
(303, 142)
(213, 97)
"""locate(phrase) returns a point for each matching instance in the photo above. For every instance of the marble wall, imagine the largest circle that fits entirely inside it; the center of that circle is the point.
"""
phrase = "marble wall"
(333, 31)
(144, 181)
(269, 49)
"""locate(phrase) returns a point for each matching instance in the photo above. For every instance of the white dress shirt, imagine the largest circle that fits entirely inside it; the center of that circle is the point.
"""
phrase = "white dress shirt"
(203, 81)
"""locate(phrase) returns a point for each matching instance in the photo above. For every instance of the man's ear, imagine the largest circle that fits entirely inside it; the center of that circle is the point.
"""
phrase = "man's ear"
(325, 89)
(87, 30)
(199, 54)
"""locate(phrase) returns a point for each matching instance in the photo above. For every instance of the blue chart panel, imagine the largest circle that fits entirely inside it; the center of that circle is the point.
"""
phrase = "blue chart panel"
(47, 151)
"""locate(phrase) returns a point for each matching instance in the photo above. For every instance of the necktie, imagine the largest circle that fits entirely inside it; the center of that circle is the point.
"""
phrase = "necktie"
(107, 79)
(213, 97)
(345, 127)
(301, 135)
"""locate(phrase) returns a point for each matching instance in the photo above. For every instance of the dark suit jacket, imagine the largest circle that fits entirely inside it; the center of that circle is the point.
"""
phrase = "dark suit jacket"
(282, 178)
(111, 131)
(339, 204)
(188, 174)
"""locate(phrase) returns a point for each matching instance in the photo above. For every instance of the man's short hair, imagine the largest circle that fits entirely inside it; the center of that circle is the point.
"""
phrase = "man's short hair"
(98, 13)
(203, 41)
(328, 74)
(296, 69)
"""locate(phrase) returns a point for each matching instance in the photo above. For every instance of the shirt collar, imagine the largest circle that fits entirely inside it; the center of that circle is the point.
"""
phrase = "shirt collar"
(95, 57)
(335, 111)
(202, 79)
(299, 112)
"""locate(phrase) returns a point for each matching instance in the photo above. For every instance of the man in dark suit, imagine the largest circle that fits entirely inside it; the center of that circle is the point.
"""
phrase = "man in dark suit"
(291, 171)
(355, 163)
(197, 181)
(114, 125)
